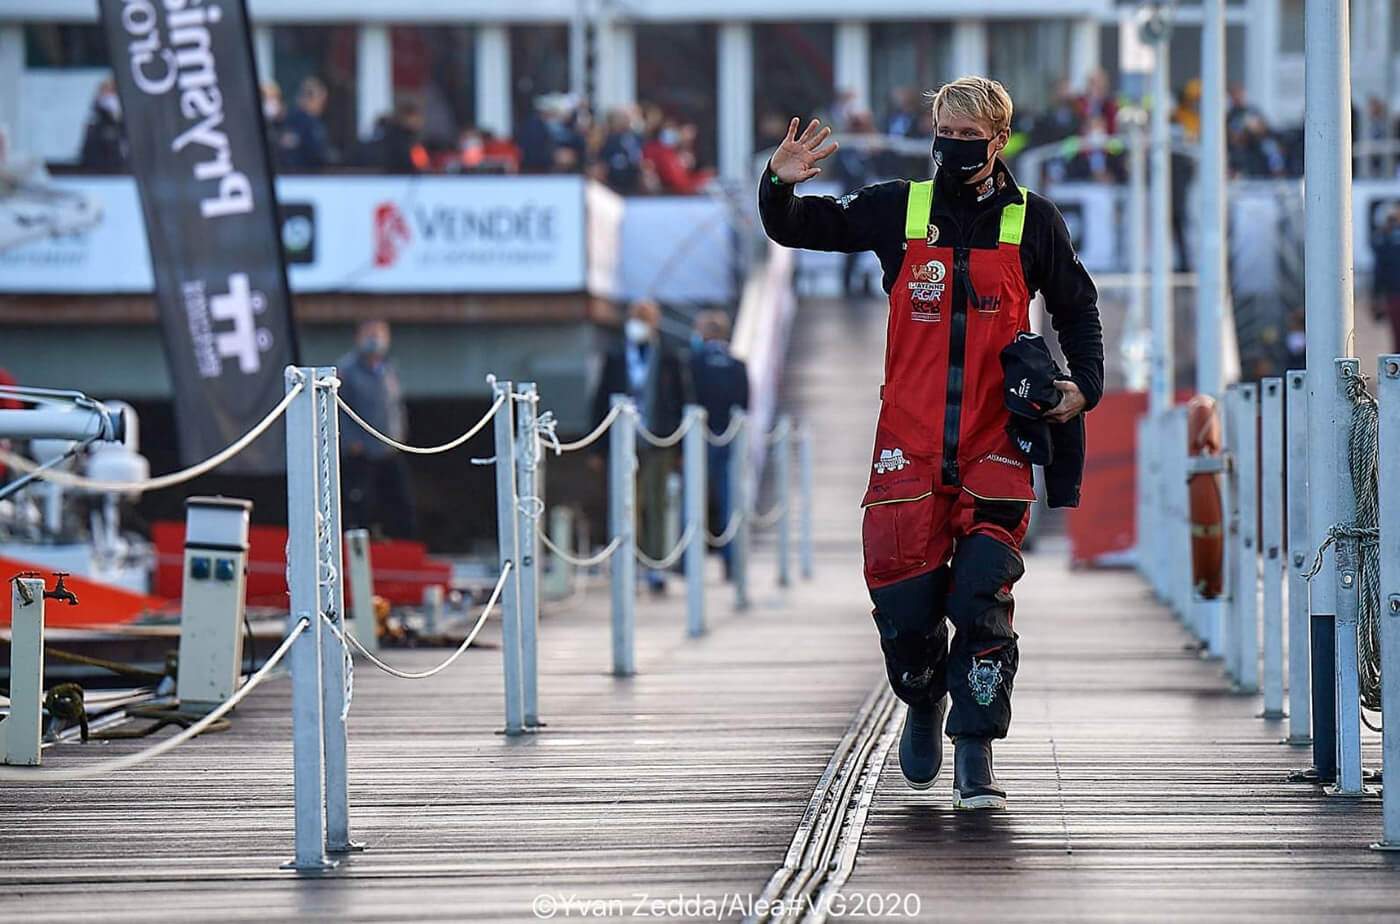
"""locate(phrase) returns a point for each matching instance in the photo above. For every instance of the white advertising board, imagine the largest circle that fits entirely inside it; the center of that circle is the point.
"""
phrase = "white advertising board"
(341, 233)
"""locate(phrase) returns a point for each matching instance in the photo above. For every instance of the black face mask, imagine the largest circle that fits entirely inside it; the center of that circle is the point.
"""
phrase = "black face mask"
(961, 157)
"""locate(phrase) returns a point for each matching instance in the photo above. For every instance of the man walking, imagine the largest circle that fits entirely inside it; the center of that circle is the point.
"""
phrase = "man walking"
(721, 387)
(643, 368)
(373, 475)
(950, 490)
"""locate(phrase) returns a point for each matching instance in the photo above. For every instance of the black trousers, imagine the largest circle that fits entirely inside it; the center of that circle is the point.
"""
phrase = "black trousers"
(973, 592)
(375, 496)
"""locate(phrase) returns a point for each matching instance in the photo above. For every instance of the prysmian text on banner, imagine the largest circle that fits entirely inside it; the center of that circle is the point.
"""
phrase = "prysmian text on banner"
(189, 94)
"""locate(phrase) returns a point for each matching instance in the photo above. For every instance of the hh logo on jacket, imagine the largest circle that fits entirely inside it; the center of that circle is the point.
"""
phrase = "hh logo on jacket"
(891, 460)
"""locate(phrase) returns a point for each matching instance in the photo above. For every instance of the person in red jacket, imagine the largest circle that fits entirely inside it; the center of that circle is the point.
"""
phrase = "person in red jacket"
(949, 493)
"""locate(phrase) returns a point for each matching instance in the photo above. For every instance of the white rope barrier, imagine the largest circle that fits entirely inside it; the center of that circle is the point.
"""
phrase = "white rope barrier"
(784, 428)
(731, 530)
(466, 643)
(666, 442)
(597, 434)
(162, 481)
(597, 559)
(728, 436)
(422, 450)
(39, 775)
(675, 554)
(770, 518)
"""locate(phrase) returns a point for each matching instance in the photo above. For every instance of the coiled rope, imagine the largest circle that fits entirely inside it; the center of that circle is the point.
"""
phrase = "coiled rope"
(597, 434)
(38, 775)
(666, 442)
(736, 423)
(466, 643)
(1364, 533)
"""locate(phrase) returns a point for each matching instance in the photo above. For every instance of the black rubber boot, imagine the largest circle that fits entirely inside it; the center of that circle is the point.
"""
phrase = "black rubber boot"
(975, 784)
(921, 745)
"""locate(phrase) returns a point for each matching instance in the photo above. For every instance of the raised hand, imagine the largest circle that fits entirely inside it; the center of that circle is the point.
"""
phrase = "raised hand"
(796, 158)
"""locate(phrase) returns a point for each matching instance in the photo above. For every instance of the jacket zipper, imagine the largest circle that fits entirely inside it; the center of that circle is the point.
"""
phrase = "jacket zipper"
(957, 350)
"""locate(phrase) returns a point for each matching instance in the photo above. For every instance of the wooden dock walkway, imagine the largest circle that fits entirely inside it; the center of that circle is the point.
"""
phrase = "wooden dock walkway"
(1140, 788)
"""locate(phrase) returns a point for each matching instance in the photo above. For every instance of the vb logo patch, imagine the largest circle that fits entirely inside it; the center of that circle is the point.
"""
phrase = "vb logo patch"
(926, 289)
(984, 678)
(891, 460)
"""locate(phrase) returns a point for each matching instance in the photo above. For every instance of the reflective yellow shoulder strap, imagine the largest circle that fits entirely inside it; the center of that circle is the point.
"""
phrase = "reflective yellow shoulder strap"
(920, 205)
(1013, 220)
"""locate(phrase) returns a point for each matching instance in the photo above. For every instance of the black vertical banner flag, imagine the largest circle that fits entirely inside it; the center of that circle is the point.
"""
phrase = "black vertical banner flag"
(189, 93)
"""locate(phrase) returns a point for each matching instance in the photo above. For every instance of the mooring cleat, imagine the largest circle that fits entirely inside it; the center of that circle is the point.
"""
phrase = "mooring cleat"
(921, 745)
(975, 784)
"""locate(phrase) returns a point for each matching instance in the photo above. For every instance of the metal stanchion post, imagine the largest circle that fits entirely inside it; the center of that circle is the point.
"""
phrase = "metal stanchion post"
(1247, 486)
(507, 521)
(1183, 584)
(555, 581)
(622, 522)
(331, 603)
(806, 465)
(1347, 584)
(21, 734)
(694, 468)
(1142, 487)
(1296, 441)
(1388, 391)
(782, 474)
(740, 502)
(363, 624)
(528, 511)
(1271, 547)
(308, 777)
(1233, 540)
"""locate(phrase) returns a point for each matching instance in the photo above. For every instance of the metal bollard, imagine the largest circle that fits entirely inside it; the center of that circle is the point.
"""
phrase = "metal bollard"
(622, 522)
(1296, 440)
(1247, 485)
(1388, 393)
(1271, 547)
(509, 554)
(1230, 507)
(21, 735)
(363, 624)
(331, 601)
(529, 458)
(782, 474)
(1183, 579)
(304, 659)
(1142, 489)
(741, 502)
(432, 609)
(806, 465)
(1348, 681)
(695, 468)
(554, 582)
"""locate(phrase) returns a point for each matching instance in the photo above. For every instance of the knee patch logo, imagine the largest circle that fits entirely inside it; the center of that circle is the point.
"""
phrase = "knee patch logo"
(984, 678)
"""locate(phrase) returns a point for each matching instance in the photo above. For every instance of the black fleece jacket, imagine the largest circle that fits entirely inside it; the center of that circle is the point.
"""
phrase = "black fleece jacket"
(872, 218)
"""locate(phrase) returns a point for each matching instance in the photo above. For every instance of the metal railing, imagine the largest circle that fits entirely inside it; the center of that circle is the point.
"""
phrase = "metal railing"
(1338, 666)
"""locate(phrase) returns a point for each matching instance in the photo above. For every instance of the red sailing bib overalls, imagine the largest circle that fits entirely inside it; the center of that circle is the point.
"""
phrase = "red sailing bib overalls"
(943, 466)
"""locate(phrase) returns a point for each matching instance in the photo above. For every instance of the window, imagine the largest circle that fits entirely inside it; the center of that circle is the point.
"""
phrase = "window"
(1029, 57)
(437, 64)
(676, 71)
(539, 64)
(329, 54)
(792, 76)
(912, 55)
(63, 45)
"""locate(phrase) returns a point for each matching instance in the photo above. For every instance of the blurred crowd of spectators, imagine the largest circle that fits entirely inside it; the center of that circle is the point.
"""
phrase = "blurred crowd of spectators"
(634, 149)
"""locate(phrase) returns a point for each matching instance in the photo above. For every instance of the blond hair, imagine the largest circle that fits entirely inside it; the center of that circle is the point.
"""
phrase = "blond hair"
(973, 97)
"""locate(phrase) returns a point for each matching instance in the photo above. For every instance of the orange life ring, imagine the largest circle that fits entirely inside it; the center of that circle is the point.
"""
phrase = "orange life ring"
(1207, 512)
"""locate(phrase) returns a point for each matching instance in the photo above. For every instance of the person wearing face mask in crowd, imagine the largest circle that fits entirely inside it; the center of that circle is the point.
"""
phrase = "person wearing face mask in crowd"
(374, 481)
(104, 139)
(949, 491)
(652, 375)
